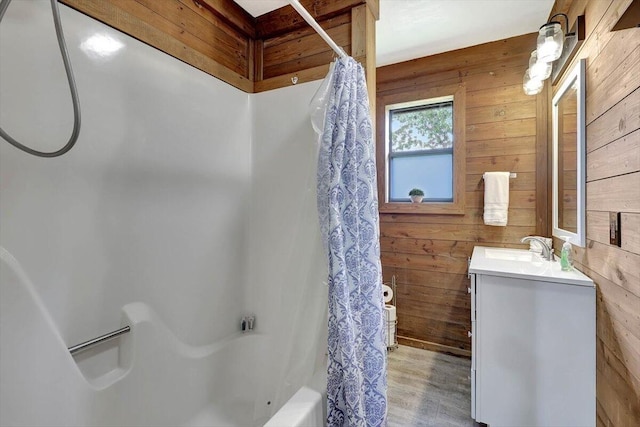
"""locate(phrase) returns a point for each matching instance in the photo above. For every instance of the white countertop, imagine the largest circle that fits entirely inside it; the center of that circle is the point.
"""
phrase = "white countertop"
(523, 264)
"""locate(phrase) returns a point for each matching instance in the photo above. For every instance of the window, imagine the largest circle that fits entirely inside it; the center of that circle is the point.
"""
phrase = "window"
(420, 138)
(421, 145)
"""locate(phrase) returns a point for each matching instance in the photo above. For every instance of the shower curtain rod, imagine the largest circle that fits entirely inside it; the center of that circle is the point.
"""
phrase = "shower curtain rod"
(322, 33)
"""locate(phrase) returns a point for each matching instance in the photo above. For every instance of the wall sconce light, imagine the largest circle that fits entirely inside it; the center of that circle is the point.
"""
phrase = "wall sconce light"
(552, 45)
(551, 39)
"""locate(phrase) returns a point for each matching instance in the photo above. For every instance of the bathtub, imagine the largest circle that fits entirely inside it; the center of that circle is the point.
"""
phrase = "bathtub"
(306, 408)
(154, 380)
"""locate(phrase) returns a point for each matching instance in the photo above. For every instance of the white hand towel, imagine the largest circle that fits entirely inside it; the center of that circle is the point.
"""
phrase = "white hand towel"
(496, 198)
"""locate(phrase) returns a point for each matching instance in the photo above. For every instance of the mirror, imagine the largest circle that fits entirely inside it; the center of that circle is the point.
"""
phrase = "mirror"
(568, 116)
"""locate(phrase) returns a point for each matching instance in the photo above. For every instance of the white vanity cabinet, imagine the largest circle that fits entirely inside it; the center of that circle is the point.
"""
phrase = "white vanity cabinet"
(533, 341)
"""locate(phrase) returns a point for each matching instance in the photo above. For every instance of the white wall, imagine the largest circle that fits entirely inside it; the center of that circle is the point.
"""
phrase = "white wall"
(152, 203)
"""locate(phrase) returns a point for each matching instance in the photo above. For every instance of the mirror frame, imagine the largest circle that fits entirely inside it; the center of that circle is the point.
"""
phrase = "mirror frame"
(577, 76)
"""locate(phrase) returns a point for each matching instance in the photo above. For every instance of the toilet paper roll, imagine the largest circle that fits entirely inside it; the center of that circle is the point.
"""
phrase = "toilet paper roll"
(390, 312)
(391, 337)
(387, 293)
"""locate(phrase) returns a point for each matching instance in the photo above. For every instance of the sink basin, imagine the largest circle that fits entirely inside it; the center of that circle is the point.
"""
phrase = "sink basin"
(523, 264)
(511, 254)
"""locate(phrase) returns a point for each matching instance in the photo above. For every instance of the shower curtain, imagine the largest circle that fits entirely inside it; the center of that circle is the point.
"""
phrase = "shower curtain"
(348, 212)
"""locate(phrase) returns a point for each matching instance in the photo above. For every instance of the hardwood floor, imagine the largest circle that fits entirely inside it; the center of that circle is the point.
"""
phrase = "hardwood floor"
(428, 389)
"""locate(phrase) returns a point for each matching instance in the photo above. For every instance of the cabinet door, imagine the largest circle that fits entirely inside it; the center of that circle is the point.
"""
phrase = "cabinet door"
(535, 353)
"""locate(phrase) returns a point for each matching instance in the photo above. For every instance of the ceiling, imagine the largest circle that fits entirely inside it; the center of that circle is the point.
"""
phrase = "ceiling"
(260, 7)
(410, 29)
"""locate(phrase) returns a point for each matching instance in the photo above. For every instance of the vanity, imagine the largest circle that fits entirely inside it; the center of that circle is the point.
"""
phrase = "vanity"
(533, 332)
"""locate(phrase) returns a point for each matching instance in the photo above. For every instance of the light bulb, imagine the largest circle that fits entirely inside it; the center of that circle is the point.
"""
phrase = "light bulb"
(531, 86)
(538, 70)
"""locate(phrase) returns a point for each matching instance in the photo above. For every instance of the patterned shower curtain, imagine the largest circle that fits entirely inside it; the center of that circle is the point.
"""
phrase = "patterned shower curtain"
(348, 211)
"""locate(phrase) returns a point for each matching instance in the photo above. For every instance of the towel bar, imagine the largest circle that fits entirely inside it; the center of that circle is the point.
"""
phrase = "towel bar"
(512, 175)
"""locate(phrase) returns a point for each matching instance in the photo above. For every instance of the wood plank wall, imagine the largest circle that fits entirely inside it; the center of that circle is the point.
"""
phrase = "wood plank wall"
(215, 37)
(252, 54)
(506, 130)
(613, 185)
(299, 53)
(287, 48)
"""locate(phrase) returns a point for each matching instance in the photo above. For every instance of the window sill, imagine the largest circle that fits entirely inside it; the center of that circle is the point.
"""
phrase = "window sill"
(422, 208)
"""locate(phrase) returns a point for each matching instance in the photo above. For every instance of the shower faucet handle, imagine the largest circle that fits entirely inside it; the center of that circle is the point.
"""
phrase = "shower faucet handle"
(247, 323)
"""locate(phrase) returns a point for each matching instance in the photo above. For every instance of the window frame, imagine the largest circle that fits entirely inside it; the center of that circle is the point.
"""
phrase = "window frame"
(415, 98)
(408, 106)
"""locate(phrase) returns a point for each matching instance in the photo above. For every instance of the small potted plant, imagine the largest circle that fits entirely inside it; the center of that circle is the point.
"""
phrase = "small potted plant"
(416, 195)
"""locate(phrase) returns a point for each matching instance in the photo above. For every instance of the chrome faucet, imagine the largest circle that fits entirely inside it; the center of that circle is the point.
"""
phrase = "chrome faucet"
(547, 253)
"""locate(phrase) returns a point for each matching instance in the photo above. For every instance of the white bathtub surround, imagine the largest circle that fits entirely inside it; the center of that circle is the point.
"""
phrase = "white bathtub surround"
(152, 202)
(287, 287)
(349, 223)
(178, 195)
(132, 394)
